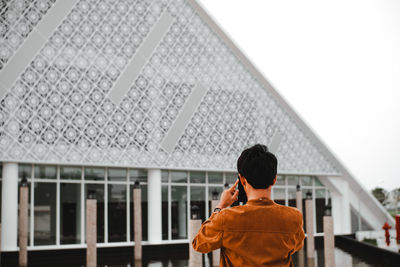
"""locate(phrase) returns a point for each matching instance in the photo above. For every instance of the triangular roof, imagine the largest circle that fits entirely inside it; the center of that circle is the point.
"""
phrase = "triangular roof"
(146, 84)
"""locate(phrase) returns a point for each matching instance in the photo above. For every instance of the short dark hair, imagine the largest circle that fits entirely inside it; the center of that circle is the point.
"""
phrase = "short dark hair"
(258, 166)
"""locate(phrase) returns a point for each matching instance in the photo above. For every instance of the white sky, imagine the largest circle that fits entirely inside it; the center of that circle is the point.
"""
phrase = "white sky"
(337, 63)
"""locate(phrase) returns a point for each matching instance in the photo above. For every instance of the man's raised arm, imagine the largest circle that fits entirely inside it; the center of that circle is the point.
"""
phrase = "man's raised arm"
(210, 235)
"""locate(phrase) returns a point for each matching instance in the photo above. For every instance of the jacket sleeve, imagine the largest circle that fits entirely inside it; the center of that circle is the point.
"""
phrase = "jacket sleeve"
(210, 234)
(299, 236)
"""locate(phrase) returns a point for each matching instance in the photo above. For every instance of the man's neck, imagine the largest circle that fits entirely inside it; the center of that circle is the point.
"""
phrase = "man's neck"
(259, 193)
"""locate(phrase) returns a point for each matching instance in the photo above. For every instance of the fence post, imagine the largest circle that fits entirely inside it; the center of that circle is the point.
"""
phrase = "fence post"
(23, 222)
(137, 211)
(91, 229)
(310, 226)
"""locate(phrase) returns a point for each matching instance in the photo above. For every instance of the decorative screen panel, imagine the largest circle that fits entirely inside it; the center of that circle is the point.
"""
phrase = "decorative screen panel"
(145, 84)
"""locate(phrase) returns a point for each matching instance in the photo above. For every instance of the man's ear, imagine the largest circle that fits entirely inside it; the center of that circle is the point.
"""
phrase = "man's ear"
(242, 179)
(275, 180)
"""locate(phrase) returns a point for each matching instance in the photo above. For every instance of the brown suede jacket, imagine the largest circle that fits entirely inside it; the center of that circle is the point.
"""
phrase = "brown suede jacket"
(260, 233)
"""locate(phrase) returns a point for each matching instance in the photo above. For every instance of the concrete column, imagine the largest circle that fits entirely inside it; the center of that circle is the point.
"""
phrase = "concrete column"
(23, 225)
(329, 242)
(310, 228)
(215, 253)
(9, 207)
(154, 219)
(91, 232)
(195, 258)
(137, 218)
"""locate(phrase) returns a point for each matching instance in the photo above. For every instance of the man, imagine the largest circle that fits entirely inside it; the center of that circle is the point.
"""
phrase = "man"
(259, 233)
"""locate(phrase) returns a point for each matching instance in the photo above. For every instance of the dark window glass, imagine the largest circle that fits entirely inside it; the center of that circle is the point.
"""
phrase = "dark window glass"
(144, 212)
(116, 174)
(178, 177)
(138, 174)
(98, 189)
(25, 169)
(306, 181)
(164, 176)
(231, 178)
(215, 178)
(320, 208)
(96, 174)
(292, 180)
(70, 213)
(45, 172)
(179, 212)
(197, 177)
(165, 212)
(116, 213)
(45, 214)
(279, 195)
(211, 192)
(292, 197)
(71, 173)
(280, 180)
(198, 199)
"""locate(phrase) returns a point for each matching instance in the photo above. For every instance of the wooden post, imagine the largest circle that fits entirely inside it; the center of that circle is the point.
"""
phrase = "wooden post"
(195, 258)
(23, 224)
(310, 228)
(215, 253)
(91, 231)
(137, 218)
(329, 242)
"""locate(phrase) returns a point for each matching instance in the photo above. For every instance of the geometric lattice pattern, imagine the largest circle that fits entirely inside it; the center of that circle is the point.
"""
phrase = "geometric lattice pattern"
(59, 110)
(17, 19)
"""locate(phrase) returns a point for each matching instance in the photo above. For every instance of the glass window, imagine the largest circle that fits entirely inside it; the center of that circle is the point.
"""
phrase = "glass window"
(178, 177)
(25, 169)
(320, 208)
(116, 174)
(279, 195)
(144, 212)
(179, 212)
(215, 178)
(213, 191)
(197, 177)
(306, 181)
(138, 174)
(292, 180)
(45, 172)
(45, 214)
(116, 213)
(231, 178)
(165, 212)
(96, 174)
(317, 182)
(164, 176)
(70, 213)
(198, 201)
(280, 180)
(71, 173)
(292, 197)
(98, 189)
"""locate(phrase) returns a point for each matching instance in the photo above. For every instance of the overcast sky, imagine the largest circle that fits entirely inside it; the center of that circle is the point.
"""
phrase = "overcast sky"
(337, 63)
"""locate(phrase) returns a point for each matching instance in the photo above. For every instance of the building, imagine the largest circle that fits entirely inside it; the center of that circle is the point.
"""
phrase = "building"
(96, 94)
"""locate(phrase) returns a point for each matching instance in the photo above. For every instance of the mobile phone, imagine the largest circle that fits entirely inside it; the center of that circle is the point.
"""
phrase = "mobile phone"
(242, 197)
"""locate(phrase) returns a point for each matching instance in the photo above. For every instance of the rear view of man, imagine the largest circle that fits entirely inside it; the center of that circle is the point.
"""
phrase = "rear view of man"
(259, 233)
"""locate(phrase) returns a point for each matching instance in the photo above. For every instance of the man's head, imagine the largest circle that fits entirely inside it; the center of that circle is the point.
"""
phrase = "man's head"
(258, 166)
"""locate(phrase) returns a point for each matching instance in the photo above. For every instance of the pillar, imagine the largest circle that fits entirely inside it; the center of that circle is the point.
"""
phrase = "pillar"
(310, 228)
(299, 199)
(195, 258)
(23, 225)
(137, 211)
(215, 253)
(9, 207)
(154, 219)
(91, 232)
(329, 242)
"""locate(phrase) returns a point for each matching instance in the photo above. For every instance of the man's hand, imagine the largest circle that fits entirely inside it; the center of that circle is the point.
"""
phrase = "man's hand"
(229, 196)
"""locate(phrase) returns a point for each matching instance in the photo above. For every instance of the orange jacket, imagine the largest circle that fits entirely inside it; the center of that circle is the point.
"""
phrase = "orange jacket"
(260, 233)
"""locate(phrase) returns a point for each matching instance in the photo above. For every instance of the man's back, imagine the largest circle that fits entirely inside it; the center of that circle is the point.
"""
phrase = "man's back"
(260, 233)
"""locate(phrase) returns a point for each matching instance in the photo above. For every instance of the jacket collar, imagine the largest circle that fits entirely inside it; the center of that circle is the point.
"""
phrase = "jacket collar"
(260, 202)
